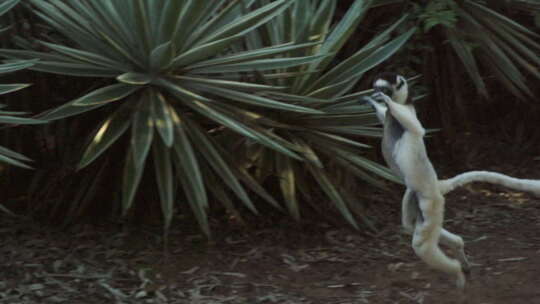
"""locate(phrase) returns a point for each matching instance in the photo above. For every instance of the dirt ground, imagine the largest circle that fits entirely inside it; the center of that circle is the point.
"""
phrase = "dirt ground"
(308, 263)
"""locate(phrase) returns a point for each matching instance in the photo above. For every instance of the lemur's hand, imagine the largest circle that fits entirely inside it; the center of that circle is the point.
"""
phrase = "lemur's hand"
(371, 101)
(378, 107)
(380, 96)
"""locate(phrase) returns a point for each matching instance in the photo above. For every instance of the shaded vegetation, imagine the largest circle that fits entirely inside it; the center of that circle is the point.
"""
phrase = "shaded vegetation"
(165, 110)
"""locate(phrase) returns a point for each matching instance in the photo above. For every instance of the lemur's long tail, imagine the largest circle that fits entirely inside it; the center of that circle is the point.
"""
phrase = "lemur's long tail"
(527, 185)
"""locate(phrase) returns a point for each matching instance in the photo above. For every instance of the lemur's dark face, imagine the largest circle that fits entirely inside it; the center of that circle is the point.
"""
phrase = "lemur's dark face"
(393, 85)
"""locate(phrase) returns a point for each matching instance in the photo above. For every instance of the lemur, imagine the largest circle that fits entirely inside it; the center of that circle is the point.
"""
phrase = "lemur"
(423, 203)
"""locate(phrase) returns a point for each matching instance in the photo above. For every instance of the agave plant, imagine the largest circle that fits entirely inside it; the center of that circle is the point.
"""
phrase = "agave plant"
(482, 37)
(8, 156)
(10, 117)
(503, 45)
(13, 117)
(173, 84)
(329, 140)
(466, 43)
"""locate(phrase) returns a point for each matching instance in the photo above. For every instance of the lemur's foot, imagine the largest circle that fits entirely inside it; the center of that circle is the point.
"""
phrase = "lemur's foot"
(465, 265)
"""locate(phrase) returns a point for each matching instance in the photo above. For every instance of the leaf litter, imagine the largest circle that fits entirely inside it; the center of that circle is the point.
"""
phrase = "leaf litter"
(310, 263)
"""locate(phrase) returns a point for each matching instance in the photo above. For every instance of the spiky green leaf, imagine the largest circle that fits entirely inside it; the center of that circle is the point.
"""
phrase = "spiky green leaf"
(286, 174)
(6, 5)
(332, 192)
(162, 113)
(8, 88)
(143, 130)
(16, 65)
(105, 95)
(165, 180)
(130, 182)
(107, 133)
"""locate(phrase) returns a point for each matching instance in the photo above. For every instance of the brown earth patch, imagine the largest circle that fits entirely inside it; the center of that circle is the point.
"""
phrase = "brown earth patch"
(284, 262)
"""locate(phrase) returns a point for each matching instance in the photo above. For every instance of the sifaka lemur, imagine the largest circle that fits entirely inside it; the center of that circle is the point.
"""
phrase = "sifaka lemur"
(423, 203)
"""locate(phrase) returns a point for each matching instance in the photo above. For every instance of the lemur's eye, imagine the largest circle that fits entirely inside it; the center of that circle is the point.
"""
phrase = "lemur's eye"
(400, 84)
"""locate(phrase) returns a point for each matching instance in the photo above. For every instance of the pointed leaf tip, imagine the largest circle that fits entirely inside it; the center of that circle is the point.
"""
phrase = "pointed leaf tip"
(106, 94)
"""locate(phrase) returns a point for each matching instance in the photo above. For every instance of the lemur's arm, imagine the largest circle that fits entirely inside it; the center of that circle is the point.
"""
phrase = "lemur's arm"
(405, 115)
(380, 109)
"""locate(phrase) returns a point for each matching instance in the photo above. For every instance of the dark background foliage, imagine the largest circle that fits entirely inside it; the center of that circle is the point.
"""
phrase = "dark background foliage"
(56, 191)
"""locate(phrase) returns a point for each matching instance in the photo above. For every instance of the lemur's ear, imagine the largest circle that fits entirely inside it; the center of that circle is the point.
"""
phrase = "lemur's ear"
(400, 81)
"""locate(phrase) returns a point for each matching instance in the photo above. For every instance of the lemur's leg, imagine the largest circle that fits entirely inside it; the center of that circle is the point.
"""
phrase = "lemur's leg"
(409, 211)
(426, 238)
(456, 244)
(406, 115)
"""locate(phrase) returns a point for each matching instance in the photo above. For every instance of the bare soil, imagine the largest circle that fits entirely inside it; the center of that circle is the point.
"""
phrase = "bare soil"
(286, 262)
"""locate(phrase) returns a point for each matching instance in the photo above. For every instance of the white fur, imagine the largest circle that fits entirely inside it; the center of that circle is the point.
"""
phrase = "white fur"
(380, 109)
(400, 96)
(410, 156)
(421, 179)
(528, 185)
(381, 83)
